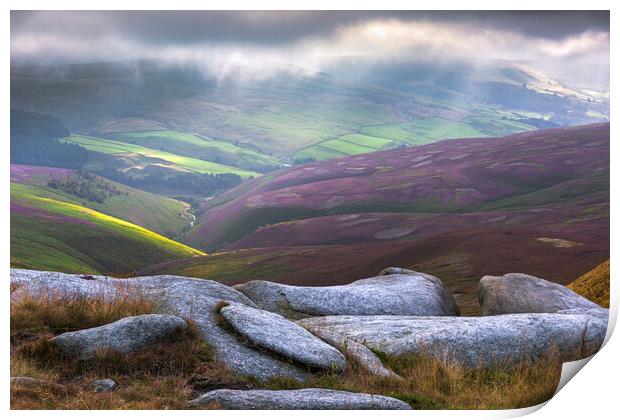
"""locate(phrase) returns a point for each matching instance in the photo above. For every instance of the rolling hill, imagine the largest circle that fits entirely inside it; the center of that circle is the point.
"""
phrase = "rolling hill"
(148, 156)
(299, 114)
(594, 284)
(194, 145)
(536, 202)
(67, 228)
(561, 167)
(162, 215)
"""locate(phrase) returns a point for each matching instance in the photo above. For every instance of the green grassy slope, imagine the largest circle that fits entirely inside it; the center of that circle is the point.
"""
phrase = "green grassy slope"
(193, 145)
(185, 163)
(49, 234)
(162, 215)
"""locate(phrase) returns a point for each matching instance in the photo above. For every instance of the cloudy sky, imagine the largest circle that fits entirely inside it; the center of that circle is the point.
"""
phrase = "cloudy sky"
(261, 42)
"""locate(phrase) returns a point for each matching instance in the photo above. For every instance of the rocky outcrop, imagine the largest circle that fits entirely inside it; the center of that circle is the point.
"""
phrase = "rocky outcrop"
(229, 347)
(182, 296)
(396, 294)
(371, 314)
(124, 336)
(300, 399)
(279, 335)
(521, 293)
(471, 342)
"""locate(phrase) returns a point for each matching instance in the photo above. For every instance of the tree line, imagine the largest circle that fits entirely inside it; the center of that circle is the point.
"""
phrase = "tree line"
(35, 141)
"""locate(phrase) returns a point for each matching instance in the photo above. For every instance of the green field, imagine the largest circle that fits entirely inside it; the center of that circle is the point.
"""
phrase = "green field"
(423, 131)
(349, 144)
(413, 133)
(49, 234)
(186, 163)
(188, 144)
(295, 125)
(162, 215)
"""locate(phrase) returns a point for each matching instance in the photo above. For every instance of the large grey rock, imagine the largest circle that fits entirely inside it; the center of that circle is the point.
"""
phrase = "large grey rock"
(125, 335)
(520, 293)
(300, 399)
(471, 342)
(52, 284)
(229, 348)
(397, 294)
(277, 334)
(186, 297)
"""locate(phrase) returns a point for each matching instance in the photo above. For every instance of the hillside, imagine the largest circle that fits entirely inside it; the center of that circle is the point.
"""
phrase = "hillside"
(417, 132)
(193, 145)
(594, 284)
(564, 168)
(301, 114)
(53, 231)
(458, 209)
(162, 215)
(148, 156)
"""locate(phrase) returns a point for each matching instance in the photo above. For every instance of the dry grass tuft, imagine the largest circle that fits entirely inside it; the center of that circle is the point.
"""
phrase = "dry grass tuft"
(36, 314)
(430, 384)
(179, 356)
(155, 378)
(148, 393)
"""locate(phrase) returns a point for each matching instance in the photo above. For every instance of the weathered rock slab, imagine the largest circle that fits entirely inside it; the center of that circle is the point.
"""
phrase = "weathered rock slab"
(277, 334)
(124, 336)
(396, 294)
(300, 399)
(520, 293)
(471, 342)
(229, 348)
(52, 284)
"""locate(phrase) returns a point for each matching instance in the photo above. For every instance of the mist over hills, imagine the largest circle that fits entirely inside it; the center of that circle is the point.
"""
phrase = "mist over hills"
(288, 111)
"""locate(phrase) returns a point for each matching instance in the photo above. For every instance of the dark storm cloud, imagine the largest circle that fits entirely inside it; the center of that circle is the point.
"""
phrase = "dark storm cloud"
(262, 44)
(280, 27)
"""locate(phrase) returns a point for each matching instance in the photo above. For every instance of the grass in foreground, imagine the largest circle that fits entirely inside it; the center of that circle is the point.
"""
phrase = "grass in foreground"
(157, 378)
(167, 375)
(428, 384)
